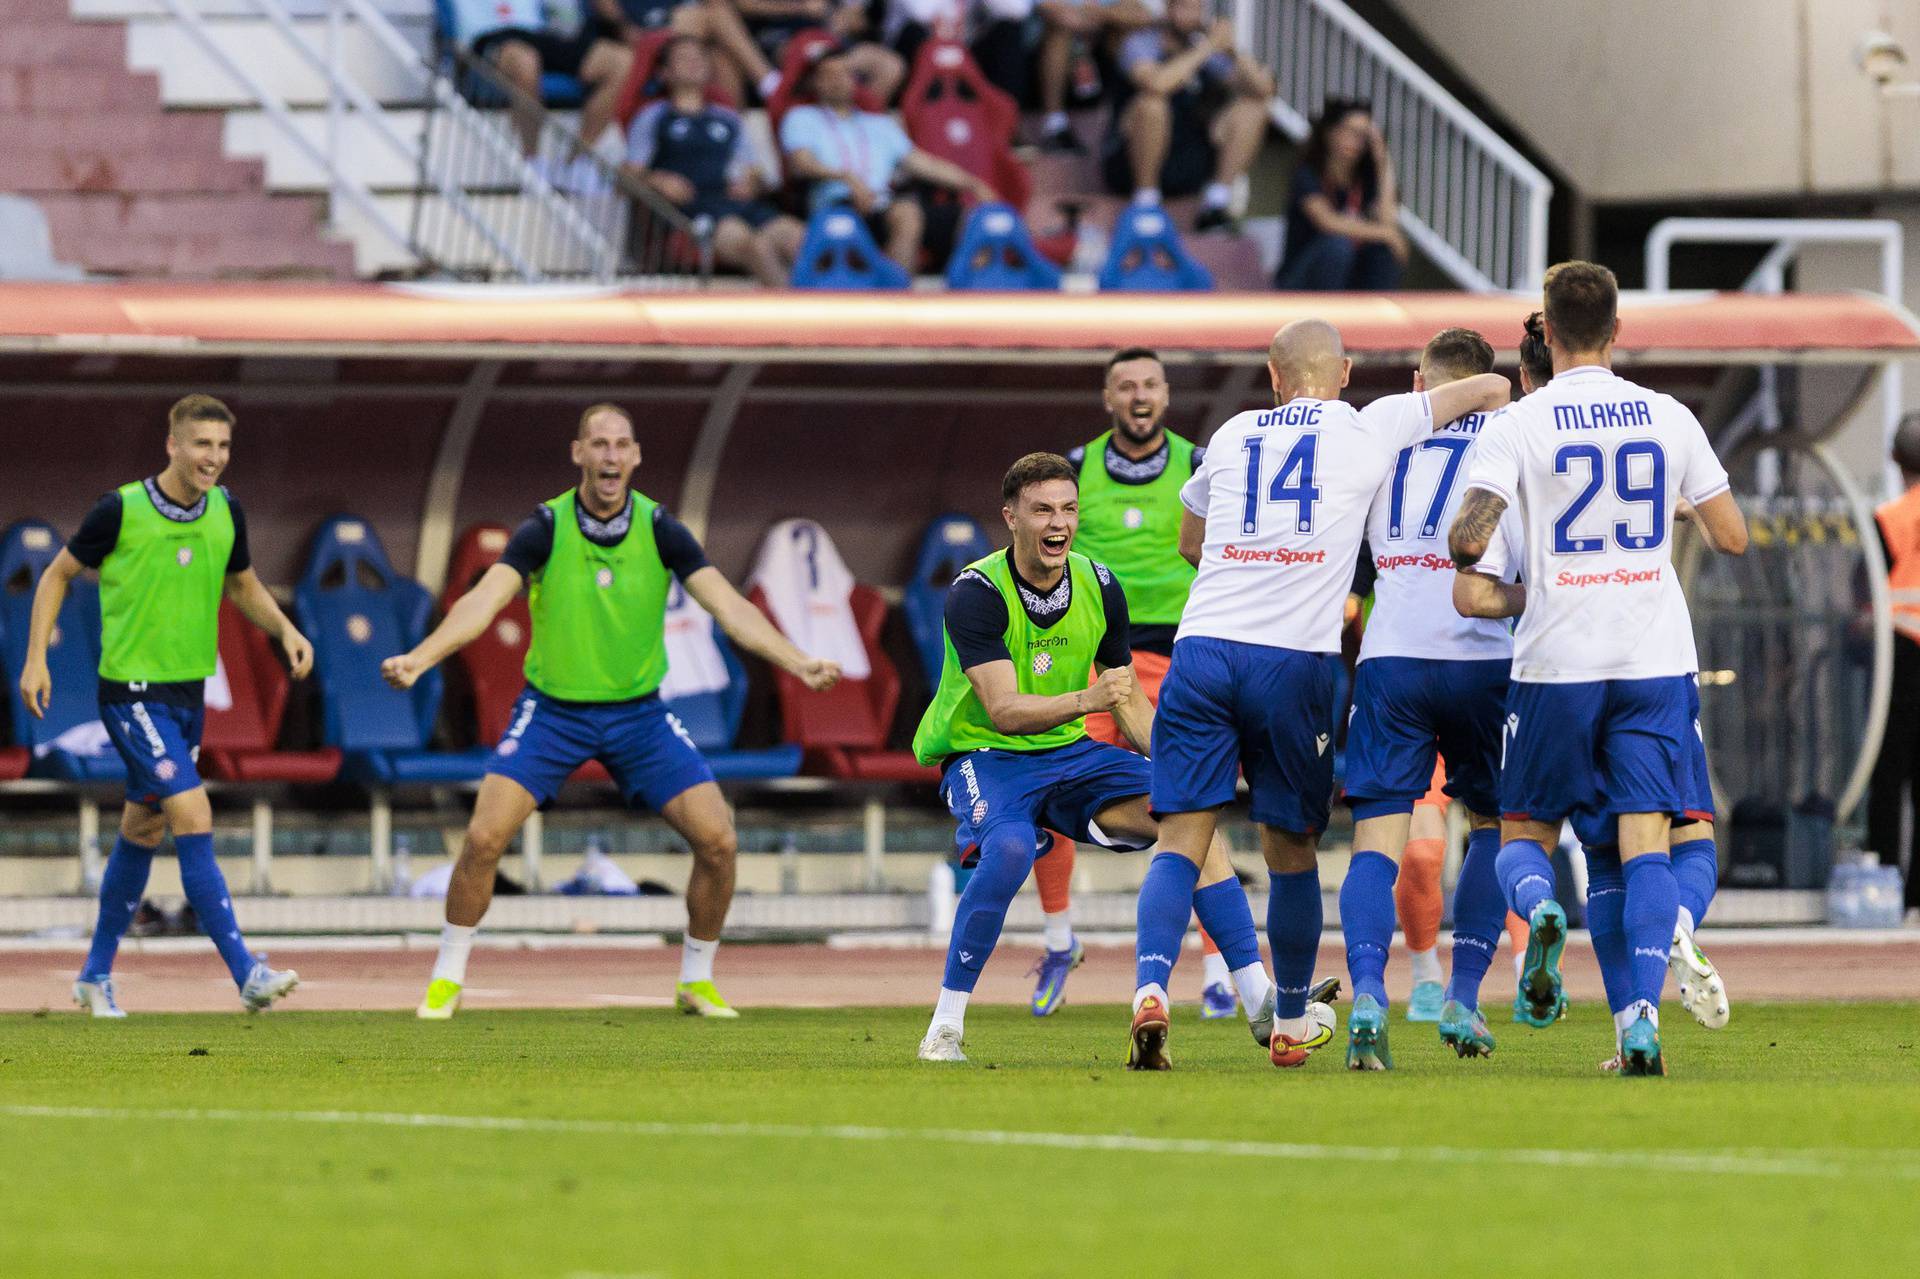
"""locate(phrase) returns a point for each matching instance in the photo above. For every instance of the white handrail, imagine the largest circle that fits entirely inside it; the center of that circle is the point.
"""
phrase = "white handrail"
(1469, 200)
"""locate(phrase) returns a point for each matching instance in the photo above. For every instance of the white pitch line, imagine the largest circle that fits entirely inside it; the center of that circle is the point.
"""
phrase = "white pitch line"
(1904, 1164)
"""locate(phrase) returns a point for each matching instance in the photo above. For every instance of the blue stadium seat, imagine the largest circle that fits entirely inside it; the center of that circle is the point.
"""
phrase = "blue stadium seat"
(839, 253)
(950, 543)
(461, 21)
(996, 252)
(712, 718)
(1147, 256)
(358, 612)
(73, 658)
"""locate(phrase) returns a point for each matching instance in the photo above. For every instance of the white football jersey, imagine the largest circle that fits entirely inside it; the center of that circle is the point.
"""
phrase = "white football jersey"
(1594, 465)
(1285, 494)
(1413, 613)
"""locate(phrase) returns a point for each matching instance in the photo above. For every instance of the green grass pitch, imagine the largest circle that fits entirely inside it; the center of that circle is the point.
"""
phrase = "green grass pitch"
(628, 1143)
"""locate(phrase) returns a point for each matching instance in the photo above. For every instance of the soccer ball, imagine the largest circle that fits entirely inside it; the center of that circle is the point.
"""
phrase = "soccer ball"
(1320, 1017)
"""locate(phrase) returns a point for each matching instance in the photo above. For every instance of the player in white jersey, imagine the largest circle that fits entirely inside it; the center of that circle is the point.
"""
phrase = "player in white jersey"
(1600, 707)
(1430, 683)
(1274, 518)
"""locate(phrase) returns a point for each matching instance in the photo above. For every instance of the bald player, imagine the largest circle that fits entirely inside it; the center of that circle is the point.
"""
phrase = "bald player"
(1273, 521)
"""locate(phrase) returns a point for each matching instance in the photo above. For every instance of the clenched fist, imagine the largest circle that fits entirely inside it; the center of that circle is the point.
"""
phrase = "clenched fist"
(402, 671)
(1112, 689)
(818, 674)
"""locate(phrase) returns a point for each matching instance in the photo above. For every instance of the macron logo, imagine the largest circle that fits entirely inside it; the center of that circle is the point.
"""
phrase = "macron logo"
(966, 957)
(1320, 744)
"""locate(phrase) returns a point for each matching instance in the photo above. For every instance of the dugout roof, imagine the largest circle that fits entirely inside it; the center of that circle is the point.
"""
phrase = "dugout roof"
(503, 322)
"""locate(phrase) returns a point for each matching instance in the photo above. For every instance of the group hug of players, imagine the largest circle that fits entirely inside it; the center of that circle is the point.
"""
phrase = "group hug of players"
(1222, 576)
(1557, 510)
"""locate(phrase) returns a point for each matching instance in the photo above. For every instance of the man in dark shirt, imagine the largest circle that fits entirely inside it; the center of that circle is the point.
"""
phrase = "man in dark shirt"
(168, 549)
(598, 562)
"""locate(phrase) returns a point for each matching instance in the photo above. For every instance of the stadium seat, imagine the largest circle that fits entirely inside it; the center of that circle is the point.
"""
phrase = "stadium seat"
(950, 543)
(358, 612)
(1147, 256)
(950, 109)
(460, 22)
(711, 713)
(839, 253)
(641, 86)
(246, 702)
(995, 252)
(13, 759)
(70, 744)
(844, 730)
(795, 61)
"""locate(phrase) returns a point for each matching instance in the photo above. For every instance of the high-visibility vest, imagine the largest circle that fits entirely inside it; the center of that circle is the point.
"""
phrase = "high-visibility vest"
(1900, 525)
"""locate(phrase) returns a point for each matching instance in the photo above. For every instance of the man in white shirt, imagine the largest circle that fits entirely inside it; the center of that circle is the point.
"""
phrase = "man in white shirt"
(1604, 662)
(1274, 518)
(1429, 683)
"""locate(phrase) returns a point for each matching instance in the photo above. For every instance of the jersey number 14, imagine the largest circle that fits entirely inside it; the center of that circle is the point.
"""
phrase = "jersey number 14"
(1295, 483)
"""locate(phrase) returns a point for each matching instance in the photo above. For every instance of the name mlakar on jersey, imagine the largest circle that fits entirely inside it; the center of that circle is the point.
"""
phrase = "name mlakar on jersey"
(1587, 417)
(1618, 577)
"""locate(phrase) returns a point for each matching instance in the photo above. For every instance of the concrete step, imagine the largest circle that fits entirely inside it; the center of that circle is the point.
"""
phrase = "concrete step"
(461, 249)
(212, 255)
(68, 90)
(56, 41)
(71, 170)
(190, 76)
(402, 13)
(106, 215)
(119, 132)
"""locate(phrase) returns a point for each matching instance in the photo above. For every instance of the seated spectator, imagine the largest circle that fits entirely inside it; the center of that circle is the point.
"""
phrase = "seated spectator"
(856, 158)
(597, 55)
(1343, 229)
(774, 22)
(696, 155)
(993, 30)
(1189, 115)
(740, 63)
(1096, 26)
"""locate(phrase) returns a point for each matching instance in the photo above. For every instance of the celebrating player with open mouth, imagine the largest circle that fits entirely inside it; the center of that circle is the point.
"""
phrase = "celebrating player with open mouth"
(168, 548)
(598, 562)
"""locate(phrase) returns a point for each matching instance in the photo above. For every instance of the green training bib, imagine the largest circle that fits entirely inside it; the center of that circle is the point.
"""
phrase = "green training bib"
(1134, 529)
(160, 591)
(599, 612)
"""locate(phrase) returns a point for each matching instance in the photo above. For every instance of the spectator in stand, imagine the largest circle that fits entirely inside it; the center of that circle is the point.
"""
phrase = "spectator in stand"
(597, 55)
(855, 158)
(994, 31)
(774, 22)
(1190, 114)
(740, 62)
(697, 156)
(1343, 230)
(1095, 25)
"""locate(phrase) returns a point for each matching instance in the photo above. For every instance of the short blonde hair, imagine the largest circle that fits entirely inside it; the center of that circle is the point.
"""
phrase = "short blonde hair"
(197, 408)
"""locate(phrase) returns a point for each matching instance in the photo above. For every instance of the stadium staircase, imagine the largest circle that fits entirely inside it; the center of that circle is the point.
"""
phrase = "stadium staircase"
(129, 186)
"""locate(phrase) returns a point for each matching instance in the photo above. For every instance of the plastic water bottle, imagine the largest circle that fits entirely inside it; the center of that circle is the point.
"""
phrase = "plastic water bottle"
(1864, 894)
(1089, 248)
(941, 900)
(92, 867)
(402, 866)
(789, 864)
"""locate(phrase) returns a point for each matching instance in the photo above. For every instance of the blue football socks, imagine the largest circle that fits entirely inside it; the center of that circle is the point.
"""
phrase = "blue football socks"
(1228, 919)
(1696, 868)
(1366, 920)
(1164, 909)
(121, 885)
(1526, 875)
(1006, 857)
(1294, 917)
(1652, 904)
(206, 889)
(1606, 921)
(1479, 915)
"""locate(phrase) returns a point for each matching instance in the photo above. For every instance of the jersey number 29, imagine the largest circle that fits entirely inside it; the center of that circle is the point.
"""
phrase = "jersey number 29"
(1294, 483)
(1638, 469)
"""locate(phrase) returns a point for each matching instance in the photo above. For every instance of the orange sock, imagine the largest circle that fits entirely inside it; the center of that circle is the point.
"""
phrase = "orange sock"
(1416, 893)
(1053, 874)
(1207, 942)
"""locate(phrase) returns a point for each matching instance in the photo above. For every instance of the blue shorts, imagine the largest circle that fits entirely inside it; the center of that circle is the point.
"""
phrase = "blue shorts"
(644, 746)
(1059, 789)
(160, 745)
(1407, 708)
(1603, 748)
(1599, 828)
(1227, 707)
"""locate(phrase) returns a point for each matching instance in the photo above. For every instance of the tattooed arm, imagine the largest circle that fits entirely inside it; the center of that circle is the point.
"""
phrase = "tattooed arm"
(1473, 527)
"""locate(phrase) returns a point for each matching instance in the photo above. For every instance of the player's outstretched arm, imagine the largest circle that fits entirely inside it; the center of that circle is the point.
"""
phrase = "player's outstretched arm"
(471, 614)
(256, 603)
(1019, 714)
(1478, 595)
(1135, 715)
(1721, 522)
(1481, 393)
(36, 685)
(1473, 527)
(748, 627)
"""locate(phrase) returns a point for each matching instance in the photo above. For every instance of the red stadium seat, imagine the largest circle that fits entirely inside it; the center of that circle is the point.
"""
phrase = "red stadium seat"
(795, 61)
(844, 729)
(641, 87)
(13, 762)
(953, 111)
(238, 744)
